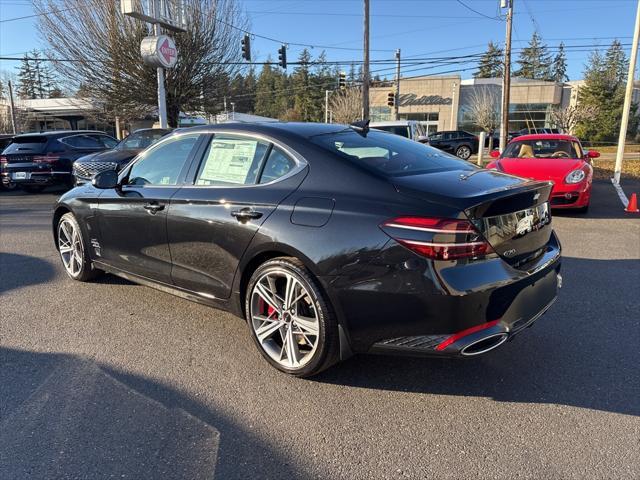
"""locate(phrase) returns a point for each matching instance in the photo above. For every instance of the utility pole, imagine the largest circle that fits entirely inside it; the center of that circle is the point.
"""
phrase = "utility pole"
(506, 78)
(326, 106)
(162, 98)
(397, 100)
(12, 108)
(453, 105)
(627, 99)
(365, 65)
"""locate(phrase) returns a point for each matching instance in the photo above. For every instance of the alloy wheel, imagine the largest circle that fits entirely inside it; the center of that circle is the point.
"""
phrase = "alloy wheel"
(70, 247)
(284, 319)
(464, 152)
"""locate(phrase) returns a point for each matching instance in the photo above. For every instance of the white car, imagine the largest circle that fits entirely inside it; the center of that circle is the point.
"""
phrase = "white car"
(405, 128)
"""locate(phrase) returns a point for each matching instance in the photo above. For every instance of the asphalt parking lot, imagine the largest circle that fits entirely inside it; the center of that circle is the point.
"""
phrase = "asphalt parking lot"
(116, 380)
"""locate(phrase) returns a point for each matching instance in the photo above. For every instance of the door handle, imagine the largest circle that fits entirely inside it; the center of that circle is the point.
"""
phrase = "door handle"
(245, 214)
(153, 207)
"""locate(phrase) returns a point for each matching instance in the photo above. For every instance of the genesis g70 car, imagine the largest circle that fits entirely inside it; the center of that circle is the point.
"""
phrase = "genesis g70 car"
(328, 239)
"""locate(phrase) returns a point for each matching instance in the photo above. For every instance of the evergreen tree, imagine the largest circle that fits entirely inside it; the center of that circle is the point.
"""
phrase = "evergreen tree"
(604, 89)
(265, 87)
(490, 64)
(559, 66)
(534, 60)
(302, 85)
(26, 79)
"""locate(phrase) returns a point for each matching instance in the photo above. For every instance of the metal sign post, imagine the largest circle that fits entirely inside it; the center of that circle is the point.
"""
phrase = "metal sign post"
(159, 50)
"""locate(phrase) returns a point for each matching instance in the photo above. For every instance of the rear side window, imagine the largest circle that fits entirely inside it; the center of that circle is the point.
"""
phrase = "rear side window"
(82, 141)
(231, 160)
(388, 155)
(28, 144)
(105, 140)
(278, 165)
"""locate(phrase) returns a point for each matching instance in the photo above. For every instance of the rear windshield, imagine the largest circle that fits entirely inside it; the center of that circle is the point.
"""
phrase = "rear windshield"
(543, 149)
(28, 144)
(389, 155)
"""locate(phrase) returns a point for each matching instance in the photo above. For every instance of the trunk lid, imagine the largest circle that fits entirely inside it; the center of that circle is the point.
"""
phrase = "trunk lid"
(511, 213)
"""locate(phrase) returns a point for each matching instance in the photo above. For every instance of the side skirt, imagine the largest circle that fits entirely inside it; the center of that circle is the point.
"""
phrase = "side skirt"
(222, 304)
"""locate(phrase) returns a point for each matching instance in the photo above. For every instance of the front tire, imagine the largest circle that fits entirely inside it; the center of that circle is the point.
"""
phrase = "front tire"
(73, 250)
(463, 152)
(291, 321)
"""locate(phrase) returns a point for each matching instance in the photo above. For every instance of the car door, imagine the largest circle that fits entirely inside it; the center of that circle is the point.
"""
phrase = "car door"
(133, 217)
(238, 183)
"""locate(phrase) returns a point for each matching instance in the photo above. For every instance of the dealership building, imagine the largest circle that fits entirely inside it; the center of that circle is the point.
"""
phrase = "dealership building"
(444, 102)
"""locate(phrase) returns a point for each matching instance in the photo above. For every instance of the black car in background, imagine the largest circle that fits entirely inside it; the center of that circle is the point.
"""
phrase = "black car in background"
(85, 168)
(457, 142)
(34, 160)
(328, 239)
(5, 140)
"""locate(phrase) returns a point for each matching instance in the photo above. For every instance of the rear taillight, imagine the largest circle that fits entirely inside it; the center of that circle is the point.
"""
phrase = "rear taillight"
(448, 238)
(3, 160)
(45, 158)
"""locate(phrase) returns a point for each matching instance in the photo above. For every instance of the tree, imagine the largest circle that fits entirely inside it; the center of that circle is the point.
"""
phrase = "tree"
(534, 60)
(558, 70)
(26, 87)
(604, 90)
(490, 64)
(569, 117)
(346, 105)
(484, 107)
(105, 48)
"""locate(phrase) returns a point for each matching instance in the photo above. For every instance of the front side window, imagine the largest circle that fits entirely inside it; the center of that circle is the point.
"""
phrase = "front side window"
(232, 160)
(106, 140)
(162, 165)
(388, 155)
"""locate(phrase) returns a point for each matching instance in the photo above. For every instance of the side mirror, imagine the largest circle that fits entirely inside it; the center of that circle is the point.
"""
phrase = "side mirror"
(423, 139)
(593, 154)
(494, 154)
(105, 180)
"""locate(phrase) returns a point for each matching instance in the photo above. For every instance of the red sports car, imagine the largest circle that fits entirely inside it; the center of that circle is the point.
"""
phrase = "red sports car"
(559, 158)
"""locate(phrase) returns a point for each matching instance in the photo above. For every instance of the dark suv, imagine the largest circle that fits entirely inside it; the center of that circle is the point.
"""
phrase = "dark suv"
(34, 160)
(85, 168)
(457, 142)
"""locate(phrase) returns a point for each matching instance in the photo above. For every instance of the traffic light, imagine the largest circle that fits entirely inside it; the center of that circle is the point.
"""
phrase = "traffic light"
(282, 56)
(391, 99)
(342, 81)
(246, 48)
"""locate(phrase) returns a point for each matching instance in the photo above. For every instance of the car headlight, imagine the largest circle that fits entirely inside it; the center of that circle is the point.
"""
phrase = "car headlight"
(575, 177)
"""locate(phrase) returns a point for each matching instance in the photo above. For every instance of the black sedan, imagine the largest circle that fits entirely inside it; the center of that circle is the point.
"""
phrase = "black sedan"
(33, 161)
(85, 168)
(457, 142)
(329, 240)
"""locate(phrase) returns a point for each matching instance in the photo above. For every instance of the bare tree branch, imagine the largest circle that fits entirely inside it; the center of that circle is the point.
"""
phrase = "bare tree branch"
(104, 48)
(346, 106)
(568, 118)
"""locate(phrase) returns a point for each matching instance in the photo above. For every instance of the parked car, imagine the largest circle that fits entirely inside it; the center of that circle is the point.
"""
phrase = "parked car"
(330, 240)
(458, 142)
(405, 128)
(85, 168)
(5, 141)
(34, 160)
(554, 157)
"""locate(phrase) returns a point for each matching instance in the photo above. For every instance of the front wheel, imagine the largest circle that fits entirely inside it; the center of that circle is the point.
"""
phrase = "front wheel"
(463, 152)
(290, 320)
(74, 254)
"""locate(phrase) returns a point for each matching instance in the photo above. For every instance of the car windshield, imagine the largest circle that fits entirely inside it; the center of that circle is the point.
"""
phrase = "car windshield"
(543, 149)
(140, 140)
(388, 155)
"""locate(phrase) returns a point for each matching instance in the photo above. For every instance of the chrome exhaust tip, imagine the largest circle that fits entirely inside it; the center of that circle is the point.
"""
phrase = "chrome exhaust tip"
(484, 344)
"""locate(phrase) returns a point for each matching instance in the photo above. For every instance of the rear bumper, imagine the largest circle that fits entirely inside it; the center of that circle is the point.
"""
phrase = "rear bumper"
(414, 306)
(36, 177)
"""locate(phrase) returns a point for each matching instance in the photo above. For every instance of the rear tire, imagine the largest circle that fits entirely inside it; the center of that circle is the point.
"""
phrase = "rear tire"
(73, 251)
(463, 152)
(291, 321)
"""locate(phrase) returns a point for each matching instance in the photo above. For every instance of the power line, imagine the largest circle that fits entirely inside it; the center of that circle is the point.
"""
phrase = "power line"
(477, 12)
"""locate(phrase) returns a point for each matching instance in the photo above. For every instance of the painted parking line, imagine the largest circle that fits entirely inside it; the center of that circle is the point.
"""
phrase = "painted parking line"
(621, 194)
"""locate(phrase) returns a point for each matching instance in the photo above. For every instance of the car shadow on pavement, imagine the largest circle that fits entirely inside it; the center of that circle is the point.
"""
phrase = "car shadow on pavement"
(63, 416)
(574, 355)
(17, 271)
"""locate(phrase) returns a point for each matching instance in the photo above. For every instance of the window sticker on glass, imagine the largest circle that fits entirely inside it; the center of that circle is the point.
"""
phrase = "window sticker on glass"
(228, 161)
